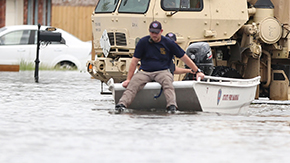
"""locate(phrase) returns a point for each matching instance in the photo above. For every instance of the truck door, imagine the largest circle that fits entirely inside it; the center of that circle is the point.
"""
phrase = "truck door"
(188, 19)
(227, 17)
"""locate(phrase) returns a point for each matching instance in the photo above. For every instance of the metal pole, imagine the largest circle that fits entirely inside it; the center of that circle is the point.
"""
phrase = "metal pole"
(37, 56)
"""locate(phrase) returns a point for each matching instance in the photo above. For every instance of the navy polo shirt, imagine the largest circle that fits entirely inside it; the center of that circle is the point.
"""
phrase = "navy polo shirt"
(157, 56)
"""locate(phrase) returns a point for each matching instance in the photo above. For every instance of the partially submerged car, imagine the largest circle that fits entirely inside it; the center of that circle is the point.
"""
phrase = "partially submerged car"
(19, 44)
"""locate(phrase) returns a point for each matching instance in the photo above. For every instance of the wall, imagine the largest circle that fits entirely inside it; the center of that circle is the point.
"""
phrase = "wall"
(14, 12)
(2, 12)
(37, 12)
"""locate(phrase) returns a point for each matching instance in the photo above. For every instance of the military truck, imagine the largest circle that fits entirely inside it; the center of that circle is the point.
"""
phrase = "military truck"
(246, 37)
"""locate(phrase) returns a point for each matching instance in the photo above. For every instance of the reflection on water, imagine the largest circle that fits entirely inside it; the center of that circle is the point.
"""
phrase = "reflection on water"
(64, 119)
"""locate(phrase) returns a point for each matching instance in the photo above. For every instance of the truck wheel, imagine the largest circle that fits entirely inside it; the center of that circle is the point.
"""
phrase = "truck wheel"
(66, 65)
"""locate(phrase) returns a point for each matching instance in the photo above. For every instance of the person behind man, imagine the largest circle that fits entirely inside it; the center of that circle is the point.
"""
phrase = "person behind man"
(173, 68)
(155, 53)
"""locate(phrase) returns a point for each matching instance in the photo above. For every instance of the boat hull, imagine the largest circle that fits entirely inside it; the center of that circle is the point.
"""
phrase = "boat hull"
(216, 94)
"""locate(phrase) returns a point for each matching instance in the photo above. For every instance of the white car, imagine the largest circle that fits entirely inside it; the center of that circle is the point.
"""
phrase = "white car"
(19, 43)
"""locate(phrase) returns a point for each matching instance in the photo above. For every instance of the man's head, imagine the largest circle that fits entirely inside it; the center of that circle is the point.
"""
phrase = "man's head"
(155, 30)
(155, 27)
(171, 35)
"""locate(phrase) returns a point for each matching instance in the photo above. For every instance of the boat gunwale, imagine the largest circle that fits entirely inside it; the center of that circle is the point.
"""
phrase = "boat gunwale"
(227, 82)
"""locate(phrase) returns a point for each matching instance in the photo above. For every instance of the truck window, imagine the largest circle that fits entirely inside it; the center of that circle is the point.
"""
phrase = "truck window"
(134, 6)
(106, 6)
(182, 5)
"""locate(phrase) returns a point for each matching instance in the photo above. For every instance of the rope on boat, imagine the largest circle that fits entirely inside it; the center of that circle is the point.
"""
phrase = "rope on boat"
(155, 97)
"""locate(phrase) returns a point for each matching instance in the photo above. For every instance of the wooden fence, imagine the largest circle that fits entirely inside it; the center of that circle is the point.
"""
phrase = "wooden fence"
(73, 19)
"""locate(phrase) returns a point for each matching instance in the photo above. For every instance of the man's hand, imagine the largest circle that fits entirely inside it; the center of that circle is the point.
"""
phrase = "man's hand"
(131, 71)
(125, 83)
(199, 75)
(190, 71)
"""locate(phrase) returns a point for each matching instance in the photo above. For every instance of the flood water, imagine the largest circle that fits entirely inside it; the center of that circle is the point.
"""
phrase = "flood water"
(64, 119)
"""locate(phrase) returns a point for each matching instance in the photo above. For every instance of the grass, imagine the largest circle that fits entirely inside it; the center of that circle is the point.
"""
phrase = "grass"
(26, 66)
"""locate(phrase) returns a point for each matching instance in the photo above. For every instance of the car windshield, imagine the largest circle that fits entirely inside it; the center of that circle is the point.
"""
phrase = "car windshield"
(182, 5)
(134, 6)
(106, 6)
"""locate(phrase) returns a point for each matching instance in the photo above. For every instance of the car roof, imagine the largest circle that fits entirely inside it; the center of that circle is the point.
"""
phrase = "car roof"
(21, 27)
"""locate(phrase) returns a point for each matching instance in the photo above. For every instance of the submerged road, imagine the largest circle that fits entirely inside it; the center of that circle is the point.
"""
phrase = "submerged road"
(64, 119)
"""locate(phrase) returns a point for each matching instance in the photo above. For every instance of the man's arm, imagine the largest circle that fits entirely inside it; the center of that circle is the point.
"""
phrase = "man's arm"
(179, 70)
(131, 71)
(192, 65)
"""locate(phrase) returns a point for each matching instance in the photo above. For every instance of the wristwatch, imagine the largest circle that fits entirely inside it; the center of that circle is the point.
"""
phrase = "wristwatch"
(198, 70)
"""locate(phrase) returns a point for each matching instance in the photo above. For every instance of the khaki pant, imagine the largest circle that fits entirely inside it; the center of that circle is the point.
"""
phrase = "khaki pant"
(139, 80)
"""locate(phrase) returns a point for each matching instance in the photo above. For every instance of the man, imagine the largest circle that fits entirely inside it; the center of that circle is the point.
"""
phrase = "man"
(173, 68)
(155, 53)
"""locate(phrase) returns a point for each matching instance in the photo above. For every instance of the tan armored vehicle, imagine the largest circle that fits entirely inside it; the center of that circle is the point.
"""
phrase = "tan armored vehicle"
(247, 38)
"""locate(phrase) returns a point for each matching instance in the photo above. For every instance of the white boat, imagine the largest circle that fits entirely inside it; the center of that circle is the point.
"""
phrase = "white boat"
(213, 94)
